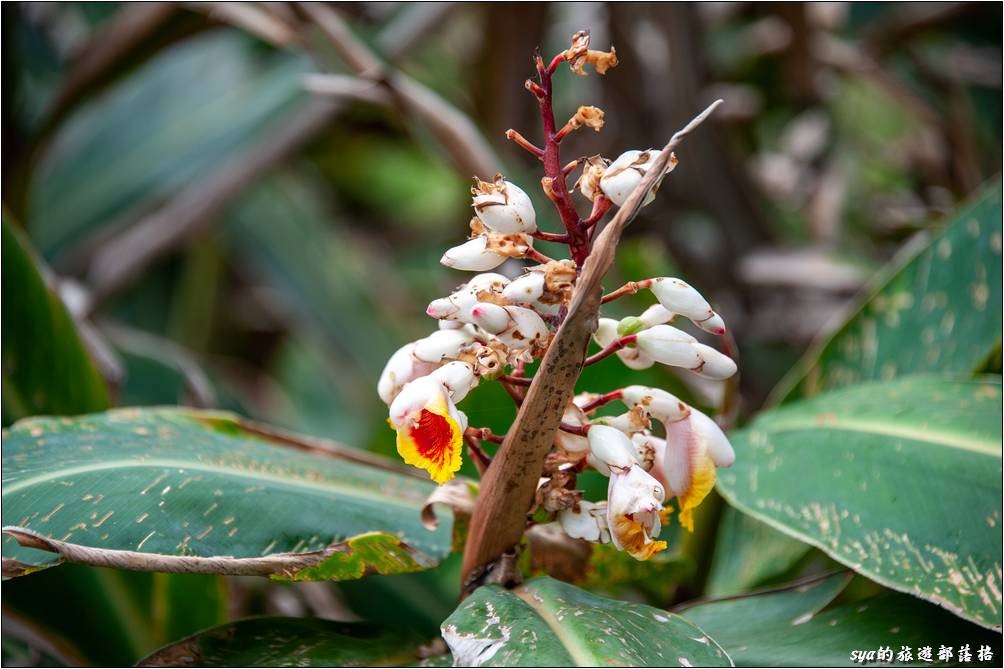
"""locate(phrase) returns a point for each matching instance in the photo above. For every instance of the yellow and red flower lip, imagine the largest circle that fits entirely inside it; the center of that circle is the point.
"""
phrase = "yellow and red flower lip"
(429, 428)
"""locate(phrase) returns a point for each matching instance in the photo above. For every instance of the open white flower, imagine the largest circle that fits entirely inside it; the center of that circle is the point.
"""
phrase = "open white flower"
(694, 448)
(503, 206)
(634, 500)
(429, 427)
(586, 520)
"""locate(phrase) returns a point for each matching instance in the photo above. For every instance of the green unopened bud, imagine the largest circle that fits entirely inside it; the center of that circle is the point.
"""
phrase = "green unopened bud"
(629, 326)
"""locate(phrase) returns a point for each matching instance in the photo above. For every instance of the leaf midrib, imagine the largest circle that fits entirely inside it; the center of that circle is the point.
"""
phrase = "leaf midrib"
(330, 488)
(956, 441)
(579, 654)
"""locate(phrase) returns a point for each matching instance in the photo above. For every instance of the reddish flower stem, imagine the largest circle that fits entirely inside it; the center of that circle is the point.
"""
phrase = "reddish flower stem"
(477, 454)
(485, 434)
(610, 350)
(524, 142)
(538, 256)
(578, 242)
(580, 430)
(601, 206)
(516, 380)
(602, 400)
(561, 238)
(629, 288)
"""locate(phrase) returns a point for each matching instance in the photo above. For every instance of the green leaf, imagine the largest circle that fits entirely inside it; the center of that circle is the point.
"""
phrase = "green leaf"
(749, 553)
(179, 486)
(545, 622)
(937, 310)
(110, 162)
(785, 628)
(45, 366)
(290, 642)
(900, 481)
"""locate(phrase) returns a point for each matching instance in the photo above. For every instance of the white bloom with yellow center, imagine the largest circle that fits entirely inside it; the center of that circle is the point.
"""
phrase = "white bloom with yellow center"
(429, 427)
(694, 448)
(634, 500)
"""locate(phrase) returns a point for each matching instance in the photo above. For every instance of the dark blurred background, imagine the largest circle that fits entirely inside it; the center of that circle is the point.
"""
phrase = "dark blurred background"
(232, 230)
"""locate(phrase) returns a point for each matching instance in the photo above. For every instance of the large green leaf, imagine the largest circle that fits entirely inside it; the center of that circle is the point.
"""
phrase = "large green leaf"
(291, 642)
(179, 486)
(899, 480)
(786, 629)
(937, 310)
(108, 161)
(749, 553)
(545, 622)
(45, 366)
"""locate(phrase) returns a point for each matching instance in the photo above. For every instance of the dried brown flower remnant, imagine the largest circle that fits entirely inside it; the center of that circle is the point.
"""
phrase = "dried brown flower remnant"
(579, 54)
(589, 183)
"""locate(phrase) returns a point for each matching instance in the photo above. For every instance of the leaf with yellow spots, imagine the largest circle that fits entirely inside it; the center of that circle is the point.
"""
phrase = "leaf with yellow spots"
(935, 309)
(901, 481)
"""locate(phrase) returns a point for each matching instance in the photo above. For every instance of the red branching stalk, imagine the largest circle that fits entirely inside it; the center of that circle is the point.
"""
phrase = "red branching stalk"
(554, 174)
(610, 350)
(602, 400)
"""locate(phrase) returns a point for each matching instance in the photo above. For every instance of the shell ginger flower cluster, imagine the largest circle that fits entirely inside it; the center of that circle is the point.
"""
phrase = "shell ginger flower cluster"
(503, 318)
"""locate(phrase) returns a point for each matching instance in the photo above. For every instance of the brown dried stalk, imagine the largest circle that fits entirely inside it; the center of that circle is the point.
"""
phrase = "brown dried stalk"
(509, 485)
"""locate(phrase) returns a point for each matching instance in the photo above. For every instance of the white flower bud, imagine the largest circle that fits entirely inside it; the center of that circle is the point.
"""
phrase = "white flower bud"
(490, 317)
(606, 334)
(656, 315)
(715, 364)
(679, 297)
(527, 288)
(568, 442)
(664, 407)
(443, 308)
(486, 281)
(450, 325)
(402, 368)
(442, 344)
(628, 422)
(526, 327)
(609, 447)
(670, 346)
(503, 207)
(458, 377)
(586, 520)
(472, 256)
(624, 174)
